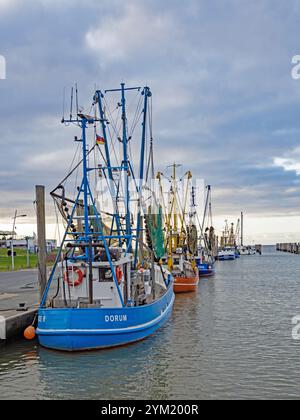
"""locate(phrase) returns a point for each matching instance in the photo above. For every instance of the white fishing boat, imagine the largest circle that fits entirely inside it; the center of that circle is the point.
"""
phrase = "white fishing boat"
(247, 250)
(226, 254)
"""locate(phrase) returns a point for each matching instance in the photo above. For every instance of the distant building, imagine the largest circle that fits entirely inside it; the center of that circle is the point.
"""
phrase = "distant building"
(3, 237)
(4, 233)
(29, 243)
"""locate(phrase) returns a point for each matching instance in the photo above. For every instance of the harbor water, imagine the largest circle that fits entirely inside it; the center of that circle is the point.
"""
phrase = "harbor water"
(231, 339)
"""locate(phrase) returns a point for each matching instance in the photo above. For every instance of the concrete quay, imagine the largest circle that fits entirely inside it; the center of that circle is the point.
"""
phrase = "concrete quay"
(19, 296)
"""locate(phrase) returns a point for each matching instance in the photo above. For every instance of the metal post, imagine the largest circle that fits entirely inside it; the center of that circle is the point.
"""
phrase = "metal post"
(206, 208)
(91, 294)
(142, 163)
(112, 187)
(86, 193)
(125, 166)
(41, 233)
(242, 229)
(85, 185)
(106, 145)
(27, 253)
(12, 242)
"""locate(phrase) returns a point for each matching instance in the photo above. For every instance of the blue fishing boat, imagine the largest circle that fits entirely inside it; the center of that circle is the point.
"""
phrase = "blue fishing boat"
(107, 287)
(208, 248)
(205, 269)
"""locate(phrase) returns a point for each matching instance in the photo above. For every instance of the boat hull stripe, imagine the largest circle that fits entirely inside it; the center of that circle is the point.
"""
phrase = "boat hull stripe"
(135, 328)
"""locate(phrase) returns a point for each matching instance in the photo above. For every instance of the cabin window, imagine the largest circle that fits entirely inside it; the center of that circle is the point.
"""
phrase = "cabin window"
(105, 275)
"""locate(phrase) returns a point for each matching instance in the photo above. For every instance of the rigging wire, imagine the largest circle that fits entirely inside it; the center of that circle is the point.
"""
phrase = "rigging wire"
(137, 115)
(151, 159)
(71, 106)
(64, 102)
(111, 118)
(74, 169)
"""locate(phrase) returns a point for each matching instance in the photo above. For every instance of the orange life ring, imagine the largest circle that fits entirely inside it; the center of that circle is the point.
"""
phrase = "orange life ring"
(79, 279)
(119, 274)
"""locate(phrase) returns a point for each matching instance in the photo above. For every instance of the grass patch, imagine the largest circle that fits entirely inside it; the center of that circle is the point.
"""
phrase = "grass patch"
(21, 259)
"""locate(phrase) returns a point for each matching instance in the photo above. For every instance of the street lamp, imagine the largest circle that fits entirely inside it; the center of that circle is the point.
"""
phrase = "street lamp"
(27, 253)
(16, 216)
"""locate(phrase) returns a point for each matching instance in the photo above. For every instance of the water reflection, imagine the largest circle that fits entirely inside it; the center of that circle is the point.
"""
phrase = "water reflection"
(136, 370)
(232, 339)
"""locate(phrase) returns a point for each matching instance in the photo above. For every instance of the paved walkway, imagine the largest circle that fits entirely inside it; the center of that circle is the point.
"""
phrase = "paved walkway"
(18, 287)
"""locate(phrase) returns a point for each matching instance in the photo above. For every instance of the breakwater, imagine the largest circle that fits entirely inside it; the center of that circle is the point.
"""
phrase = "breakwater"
(292, 248)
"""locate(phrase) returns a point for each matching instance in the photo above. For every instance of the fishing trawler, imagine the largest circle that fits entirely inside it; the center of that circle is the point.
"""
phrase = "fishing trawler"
(227, 254)
(206, 269)
(181, 237)
(228, 247)
(110, 288)
(247, 250)
(208, 249)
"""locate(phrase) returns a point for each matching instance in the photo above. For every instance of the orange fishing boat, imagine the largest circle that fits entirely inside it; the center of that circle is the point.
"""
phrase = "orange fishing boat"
(181, 236)
(185, 284)
(187, 279)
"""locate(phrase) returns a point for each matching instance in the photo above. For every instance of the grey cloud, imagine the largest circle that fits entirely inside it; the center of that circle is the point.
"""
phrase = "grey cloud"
(223, 97)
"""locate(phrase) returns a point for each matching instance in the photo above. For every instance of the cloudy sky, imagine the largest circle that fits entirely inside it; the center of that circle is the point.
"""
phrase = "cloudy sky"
(225, 104)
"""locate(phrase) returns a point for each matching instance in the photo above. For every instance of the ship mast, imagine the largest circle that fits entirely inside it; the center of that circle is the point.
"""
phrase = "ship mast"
(88, 238)
(147, 94)
(242, 229)
(98, 98)
(125, 166)
(175, 208)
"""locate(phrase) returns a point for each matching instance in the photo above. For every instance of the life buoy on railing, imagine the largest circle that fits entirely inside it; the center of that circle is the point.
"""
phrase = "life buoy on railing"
(119, 274)
(77, 282)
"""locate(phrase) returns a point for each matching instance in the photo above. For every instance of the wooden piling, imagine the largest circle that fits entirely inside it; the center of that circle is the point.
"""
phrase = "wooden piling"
(41, 237)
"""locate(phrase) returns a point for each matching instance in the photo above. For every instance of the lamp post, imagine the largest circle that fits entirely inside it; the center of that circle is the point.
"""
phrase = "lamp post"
(12, 241)
(27, 252)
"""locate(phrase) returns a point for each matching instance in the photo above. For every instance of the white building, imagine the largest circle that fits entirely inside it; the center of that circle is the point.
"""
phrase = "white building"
(29, 243)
